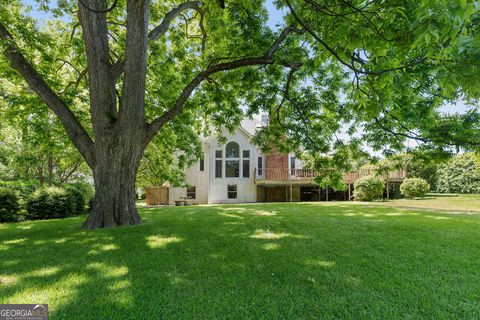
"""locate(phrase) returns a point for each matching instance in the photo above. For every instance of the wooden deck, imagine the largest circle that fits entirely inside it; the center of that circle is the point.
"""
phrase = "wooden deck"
(306, 176)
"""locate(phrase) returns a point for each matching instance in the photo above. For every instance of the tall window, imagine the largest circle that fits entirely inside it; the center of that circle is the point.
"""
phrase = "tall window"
(202, 164)
(232, 160)
(232, 191)
(218, 163)
(260, 166)
(246, 163)
(292, 166)
(192, 192)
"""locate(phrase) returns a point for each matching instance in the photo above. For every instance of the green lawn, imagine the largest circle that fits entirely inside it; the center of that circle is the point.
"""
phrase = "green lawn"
(262, 261)
(452, 202)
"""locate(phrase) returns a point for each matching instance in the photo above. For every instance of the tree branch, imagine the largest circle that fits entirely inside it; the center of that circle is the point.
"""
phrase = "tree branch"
(74, 128)
(162, 28)
(177, 107)
(351, 66)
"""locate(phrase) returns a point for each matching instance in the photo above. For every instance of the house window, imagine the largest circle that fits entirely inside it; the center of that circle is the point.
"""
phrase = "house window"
(232, 168)
(202, 164)
(292, 166)
(246, 163)
(232, 191)
(218, 163)
(192, 192)
(232, 160)
(260, 166)
(232, 150)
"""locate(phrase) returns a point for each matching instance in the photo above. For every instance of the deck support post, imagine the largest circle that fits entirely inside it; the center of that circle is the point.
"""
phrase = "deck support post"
(349, 191)
(291, 193)
(388, 191)
(326, 192)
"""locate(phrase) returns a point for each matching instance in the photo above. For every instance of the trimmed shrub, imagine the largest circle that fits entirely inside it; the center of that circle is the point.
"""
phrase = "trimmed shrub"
(84, 187)
(9, 206)
(24, 189)
(76, 198)
(368, 188)
(47, 203)
(414, 187)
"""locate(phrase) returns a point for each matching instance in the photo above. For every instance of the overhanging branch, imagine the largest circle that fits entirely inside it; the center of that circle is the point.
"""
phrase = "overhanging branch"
(356, 58)
(162, 28)
(74, 128)
(177, 107)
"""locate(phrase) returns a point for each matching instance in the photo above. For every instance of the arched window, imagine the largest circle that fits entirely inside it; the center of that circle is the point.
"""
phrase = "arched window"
(232, 150)
(232, 160)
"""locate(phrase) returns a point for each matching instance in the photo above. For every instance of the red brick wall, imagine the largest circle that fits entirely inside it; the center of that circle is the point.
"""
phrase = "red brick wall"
(276, 160)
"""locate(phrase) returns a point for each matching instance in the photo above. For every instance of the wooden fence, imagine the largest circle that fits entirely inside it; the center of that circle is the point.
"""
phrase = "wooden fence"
(156, 196)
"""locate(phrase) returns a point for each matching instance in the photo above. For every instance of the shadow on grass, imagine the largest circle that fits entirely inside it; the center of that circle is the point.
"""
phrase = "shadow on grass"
(264, 261)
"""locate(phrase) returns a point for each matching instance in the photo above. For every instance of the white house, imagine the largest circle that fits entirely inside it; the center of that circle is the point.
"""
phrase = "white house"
(227, 172)
(238, 172)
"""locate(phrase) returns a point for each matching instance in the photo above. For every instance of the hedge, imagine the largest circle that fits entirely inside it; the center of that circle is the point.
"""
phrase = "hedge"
(9, 206)
(47, 203)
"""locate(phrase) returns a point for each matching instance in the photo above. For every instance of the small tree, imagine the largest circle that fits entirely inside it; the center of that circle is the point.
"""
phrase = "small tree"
(414, 188)
(368, 188)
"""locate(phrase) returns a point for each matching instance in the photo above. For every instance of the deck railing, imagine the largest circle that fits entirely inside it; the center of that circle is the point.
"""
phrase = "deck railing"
(310, 174)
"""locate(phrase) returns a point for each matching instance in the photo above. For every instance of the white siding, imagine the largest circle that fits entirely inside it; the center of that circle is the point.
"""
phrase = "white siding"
(194, 177)
(214, 190)
(246, 189)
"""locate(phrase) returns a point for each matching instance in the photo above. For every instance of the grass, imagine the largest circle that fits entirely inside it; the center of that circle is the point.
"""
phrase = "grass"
(449, 202)
(261, 261)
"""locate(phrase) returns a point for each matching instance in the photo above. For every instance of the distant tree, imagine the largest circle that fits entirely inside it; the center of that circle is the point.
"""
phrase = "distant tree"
(35, 147)
(461, 174)
(137, 66)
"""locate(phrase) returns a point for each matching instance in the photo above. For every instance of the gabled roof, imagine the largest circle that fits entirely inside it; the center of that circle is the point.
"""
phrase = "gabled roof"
(248, 126)
(251, 125)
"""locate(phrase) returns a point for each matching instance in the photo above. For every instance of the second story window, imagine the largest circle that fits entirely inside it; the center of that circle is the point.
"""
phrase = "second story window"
(260, 166)
(232, 160)
(292, 166)
(246, 164)
(202, 164)
(218, 163)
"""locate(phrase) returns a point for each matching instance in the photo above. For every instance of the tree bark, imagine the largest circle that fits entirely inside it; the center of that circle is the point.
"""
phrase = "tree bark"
(117, 161)
(50, 169)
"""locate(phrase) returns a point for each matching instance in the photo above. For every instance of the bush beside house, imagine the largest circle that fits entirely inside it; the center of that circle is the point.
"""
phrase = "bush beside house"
(414, 188)
(368, 188)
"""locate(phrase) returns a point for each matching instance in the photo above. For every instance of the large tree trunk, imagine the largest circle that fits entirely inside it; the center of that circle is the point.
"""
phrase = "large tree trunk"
(117, 162)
